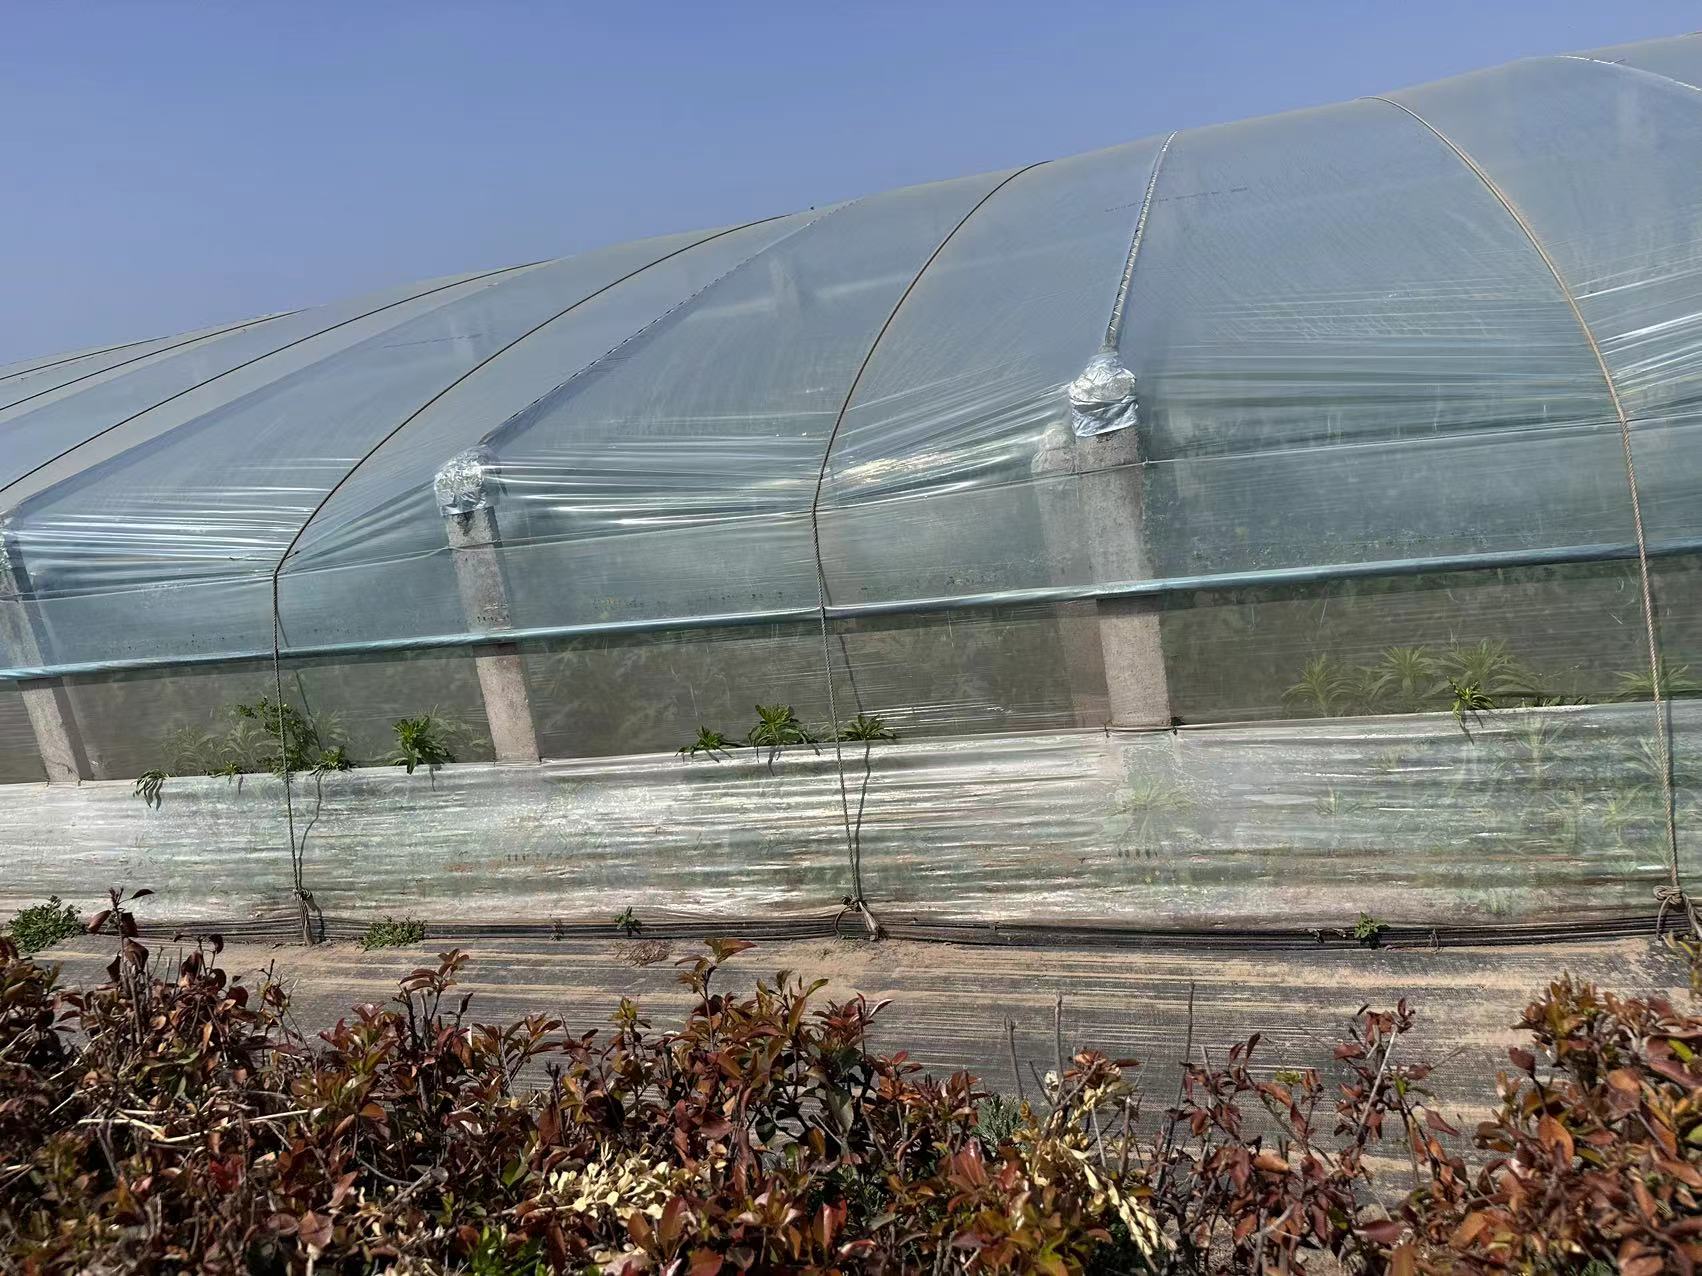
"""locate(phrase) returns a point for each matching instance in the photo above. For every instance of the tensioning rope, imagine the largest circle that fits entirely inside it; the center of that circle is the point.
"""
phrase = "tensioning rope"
(1672, 895)
(853, 837)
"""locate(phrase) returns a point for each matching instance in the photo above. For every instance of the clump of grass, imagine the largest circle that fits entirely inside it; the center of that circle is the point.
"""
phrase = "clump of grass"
(148, 786)
(43, 925)
(393, 932)
(1368, 930)
(710, 743)
(422, 741)
(643, 952)
(997, 1119)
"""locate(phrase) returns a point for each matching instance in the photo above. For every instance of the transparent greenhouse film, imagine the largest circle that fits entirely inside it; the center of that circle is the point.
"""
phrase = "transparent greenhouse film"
(1507, 821)
(665, 473)
(745, 572)
(20, 762)
(675, 478)
(957, 405)
(197, 722)
(56, 437)
(1563, 634)
(1583, 150)
(382, 532)
(30, 384)
(1679, 58)
(203, 509)
(1677, 587)
(89, 358)
(1397, 344)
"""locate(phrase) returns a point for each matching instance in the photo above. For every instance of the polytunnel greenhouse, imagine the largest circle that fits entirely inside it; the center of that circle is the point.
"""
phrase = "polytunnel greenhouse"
(1252, 526)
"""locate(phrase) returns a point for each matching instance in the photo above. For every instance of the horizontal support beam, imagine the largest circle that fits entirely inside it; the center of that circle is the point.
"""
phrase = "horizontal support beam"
(1171, 585)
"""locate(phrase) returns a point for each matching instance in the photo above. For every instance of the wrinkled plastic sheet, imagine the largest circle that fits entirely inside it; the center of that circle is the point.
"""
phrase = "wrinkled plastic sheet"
(1536, 815)
(1347, 351)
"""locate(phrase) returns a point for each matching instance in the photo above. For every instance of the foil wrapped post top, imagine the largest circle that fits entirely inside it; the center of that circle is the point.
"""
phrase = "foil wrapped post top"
(1102, 397)
(465, 483)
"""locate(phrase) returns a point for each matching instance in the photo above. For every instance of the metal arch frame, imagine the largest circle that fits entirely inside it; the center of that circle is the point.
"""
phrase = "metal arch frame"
(27, 368)
(278, 632)
(180, 344)
(1631, 70)
(259, 358)
(1663, 742)
(852, 840)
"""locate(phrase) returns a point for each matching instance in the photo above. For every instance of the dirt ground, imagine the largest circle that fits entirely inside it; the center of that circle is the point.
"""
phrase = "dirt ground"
(950, 1003)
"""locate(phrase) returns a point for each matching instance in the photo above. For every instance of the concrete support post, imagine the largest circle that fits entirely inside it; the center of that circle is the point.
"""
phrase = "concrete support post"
(470, 526)
(1113, 499)
(1092, 504)
(1059, 508)
(45, 699)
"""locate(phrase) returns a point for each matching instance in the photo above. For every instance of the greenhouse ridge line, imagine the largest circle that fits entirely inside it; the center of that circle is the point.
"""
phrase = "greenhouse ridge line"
(1673, 895)
(1225, 582)
(1631, 70)
(1114, 328)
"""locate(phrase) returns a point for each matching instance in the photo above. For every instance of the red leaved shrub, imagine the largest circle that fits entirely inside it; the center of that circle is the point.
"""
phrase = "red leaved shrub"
(183, 1124)
(1596, 1162)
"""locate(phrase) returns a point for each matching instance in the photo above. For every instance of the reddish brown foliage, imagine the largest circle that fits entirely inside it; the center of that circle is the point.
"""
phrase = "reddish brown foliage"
(182, 1124)
(1597, 1161)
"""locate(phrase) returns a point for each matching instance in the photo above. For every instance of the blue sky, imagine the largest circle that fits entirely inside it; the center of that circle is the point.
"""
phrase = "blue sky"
(172, 165)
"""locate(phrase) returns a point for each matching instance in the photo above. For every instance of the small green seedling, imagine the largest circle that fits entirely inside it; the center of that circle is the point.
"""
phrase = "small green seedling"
(148, 786)
(1368, 930)
(776, 728)
(712, 743)
(866, 727)
(335, 758)
(627, 922)
(1468, 699)
(421, 741)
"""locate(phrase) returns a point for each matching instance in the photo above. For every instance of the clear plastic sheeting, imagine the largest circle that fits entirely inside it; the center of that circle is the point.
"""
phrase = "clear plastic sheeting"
(1349, 352)
(1324, 417)
(1537, 816)
(1678, 58)
(27, 383)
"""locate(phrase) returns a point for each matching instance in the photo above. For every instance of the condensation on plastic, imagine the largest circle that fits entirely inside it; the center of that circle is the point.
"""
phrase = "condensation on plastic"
(1409, 819)
(1348, 354)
